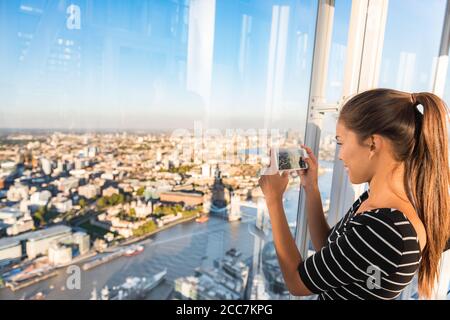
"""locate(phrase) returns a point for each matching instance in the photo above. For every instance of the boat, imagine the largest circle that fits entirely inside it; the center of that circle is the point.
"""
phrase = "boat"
(202, 219)
(134, 250)
(104, 293)
(135, 288)
(93, 294)
(104, 259)
(234, 217)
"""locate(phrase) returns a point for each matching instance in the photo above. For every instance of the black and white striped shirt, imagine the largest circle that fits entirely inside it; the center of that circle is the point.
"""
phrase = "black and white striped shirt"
(371, 255)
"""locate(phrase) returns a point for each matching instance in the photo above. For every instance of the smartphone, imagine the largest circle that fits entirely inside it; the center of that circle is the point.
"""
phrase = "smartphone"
(284, 159)
(291, 159)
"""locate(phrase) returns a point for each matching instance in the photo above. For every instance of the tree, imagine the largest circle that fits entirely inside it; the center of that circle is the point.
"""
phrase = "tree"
(146, 228)
(133, 212)
(40, 215)
(82, 203)
(101, 203)
(140, 191)
(113, 200)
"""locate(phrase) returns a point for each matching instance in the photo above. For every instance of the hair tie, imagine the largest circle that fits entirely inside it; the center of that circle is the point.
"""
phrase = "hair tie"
(417, 105)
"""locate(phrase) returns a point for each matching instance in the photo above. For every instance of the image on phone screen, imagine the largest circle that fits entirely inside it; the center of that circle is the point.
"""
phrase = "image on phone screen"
(290, 159)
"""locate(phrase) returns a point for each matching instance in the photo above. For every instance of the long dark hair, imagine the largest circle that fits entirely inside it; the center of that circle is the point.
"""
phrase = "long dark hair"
(420, 140)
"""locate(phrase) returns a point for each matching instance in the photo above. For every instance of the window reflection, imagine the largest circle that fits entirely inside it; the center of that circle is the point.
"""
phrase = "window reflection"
(406, 65)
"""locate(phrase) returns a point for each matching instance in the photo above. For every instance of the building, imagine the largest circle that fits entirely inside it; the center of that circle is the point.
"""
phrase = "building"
(15, 221)
(107, 176)
(61, 166)
(92, 152)
(21, 226)
(206, 170)
(141, 209)
(8, 166)
(10, 215)
(59, 254)
(3, 228)
(82, 239)
(66, 184)
(227, 280)
(63, 250)
(62, 204)
(38, 242)
(57, 242)
(188, 198)
(10, 248)
(17, 192)
(88, 191)
(168, 219)
(40, 198)
(108, 192)
(46, 166)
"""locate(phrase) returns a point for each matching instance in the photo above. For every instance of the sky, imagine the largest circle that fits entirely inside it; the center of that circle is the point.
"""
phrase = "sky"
(163, 64)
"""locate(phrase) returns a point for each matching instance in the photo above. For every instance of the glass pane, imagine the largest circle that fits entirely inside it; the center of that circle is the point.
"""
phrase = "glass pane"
(334, 86)
(147, 121)
(336, 67)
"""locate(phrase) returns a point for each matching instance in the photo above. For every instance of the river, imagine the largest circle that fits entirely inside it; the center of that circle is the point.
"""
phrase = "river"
(180, 249)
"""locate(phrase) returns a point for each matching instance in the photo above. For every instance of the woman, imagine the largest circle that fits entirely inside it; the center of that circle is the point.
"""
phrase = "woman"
(398, 226)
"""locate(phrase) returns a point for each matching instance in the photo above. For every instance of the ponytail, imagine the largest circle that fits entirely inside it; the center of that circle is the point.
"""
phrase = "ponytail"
(420, 140)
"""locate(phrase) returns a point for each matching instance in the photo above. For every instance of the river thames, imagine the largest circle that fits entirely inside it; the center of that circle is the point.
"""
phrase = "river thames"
(180, 249)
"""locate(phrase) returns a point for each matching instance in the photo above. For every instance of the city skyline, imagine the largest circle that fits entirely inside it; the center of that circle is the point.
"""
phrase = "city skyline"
(133, 135)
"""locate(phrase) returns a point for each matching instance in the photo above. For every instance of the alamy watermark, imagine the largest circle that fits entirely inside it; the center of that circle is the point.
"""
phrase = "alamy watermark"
(248, 146)
(73, 281)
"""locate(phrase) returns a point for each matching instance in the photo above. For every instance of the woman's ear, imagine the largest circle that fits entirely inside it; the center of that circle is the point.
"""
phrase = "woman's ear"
(375, 144)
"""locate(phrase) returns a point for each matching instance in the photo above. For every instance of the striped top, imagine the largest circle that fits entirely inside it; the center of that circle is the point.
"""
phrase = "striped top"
(370, 255)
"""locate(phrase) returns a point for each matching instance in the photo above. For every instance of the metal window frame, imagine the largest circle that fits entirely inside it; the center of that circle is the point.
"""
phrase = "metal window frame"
(316, 108)
(364, 52)
(364, 49)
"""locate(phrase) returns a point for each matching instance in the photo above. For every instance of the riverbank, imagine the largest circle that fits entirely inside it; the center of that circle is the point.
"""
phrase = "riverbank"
(165, 227)
(115, 252)
(14, 286)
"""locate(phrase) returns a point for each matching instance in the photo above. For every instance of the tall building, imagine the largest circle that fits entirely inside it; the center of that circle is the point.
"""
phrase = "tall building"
(46, 166)
(206, 170)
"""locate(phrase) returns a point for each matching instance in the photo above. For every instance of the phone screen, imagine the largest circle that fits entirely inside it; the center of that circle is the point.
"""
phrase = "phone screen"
(291, 159)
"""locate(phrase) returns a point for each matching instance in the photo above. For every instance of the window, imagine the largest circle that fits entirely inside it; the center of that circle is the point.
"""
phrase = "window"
(136, 117)
(335, 79)
(411, 44)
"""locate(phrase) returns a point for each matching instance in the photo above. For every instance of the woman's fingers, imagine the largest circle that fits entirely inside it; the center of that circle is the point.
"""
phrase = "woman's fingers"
(310, 162)
(310, 153)
(308, 150)
(285, 174)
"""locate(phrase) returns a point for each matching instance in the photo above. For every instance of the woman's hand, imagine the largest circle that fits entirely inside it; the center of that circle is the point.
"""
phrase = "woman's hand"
(273, 186)
(309, 178)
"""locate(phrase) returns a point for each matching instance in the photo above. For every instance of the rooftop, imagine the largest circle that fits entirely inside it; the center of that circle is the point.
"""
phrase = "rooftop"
(34, 235)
